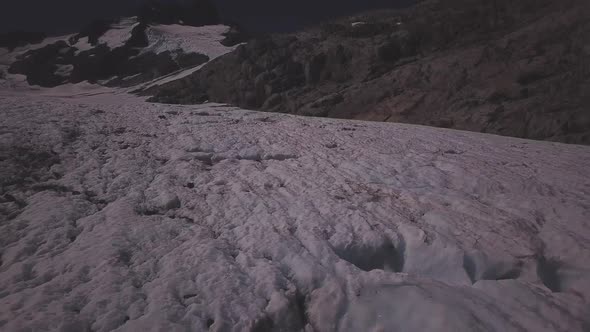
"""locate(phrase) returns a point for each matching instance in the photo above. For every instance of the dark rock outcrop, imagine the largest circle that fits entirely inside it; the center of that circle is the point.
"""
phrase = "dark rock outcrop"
(518, 68)
(121, 66)
(93, 31)
(126, 65)
(61, 62)
(235, 35)
(138, 36)
(41, 65)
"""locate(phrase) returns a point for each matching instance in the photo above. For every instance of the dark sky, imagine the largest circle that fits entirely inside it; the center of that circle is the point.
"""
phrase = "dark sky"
(58, 16)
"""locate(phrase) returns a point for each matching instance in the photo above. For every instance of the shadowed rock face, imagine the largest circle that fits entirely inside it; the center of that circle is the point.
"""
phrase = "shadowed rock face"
(40, 66)
(516, 68)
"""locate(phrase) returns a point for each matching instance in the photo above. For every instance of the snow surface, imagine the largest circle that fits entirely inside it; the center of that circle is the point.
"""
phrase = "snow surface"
(205, 40)
(83, 44)
(7, 57)
(14, 81)
(119, 33)
(120, 215)
(177, 39)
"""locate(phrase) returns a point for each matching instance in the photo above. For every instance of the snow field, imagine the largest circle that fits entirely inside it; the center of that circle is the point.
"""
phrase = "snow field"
(194, 218)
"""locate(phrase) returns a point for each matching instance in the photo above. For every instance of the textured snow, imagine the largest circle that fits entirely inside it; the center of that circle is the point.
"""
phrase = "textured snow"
(205, 40)
(120, 215)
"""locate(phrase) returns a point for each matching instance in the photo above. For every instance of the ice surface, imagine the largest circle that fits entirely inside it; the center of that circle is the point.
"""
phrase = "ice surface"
(120, 215)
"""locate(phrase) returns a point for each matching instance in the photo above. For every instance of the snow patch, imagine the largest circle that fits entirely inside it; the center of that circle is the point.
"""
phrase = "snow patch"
(119, 33)
(82, 45)
(205, 40)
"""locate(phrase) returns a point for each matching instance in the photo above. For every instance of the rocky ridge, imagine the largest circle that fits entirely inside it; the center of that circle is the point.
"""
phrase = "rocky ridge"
(516, 68)
(127, 51)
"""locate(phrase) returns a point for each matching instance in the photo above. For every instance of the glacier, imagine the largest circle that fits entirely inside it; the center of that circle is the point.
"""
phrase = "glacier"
(122, 215)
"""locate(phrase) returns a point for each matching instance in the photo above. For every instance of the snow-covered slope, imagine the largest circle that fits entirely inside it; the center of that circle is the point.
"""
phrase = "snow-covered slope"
(119, 33)
(205, 40)
(127, 53)
(119, 215)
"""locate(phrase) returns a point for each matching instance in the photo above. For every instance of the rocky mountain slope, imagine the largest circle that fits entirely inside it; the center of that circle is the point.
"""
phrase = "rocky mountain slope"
(121, 215)
(517, 68)
(161, 40)
(117, 214)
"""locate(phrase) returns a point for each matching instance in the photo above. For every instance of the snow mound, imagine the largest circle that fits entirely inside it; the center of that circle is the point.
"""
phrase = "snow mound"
(120, 215)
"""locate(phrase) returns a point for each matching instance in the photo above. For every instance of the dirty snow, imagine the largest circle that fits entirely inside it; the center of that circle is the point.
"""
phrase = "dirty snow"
(120, 215)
